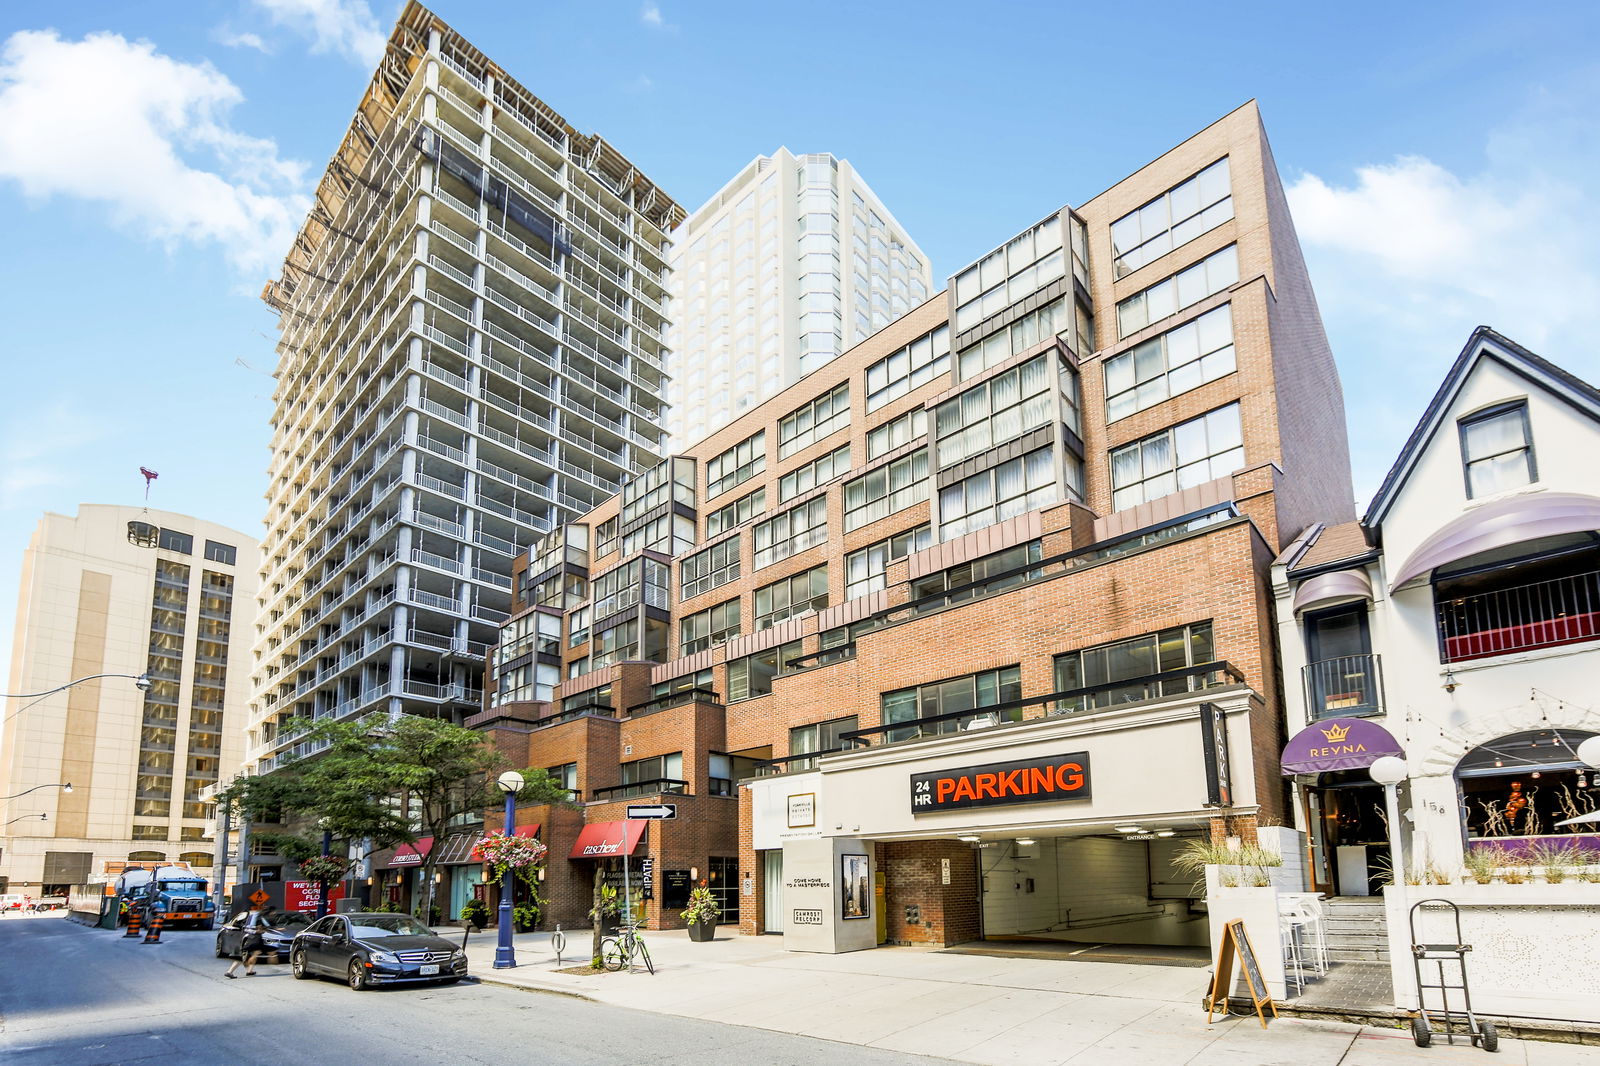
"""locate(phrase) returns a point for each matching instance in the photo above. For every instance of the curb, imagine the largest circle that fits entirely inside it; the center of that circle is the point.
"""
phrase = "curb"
(490, 979)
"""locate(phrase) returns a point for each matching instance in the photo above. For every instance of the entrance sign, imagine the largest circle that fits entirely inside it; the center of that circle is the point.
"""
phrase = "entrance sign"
(1037, 780)
(656, 811)
(1236, 939)
(1338, 744)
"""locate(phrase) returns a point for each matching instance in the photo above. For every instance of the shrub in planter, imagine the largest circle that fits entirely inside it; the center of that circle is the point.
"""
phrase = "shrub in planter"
(702, 913)
(475, 913)
(525, 916)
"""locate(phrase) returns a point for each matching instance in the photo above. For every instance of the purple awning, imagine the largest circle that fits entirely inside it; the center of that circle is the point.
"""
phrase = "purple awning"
(1500, 524)
(1338, 744)
(1326, 589)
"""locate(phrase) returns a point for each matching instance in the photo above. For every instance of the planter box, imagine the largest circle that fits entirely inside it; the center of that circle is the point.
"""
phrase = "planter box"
(702, 932)
(1530, 946)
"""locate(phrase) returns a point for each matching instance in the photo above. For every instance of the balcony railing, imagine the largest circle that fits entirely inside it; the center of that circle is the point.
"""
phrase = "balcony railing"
(1564, 610)
(656, 786)
(1343, 686)
(675, 699)
(1067, 701)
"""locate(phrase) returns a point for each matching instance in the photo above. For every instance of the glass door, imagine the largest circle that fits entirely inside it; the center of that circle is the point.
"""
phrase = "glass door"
(1341, 675)
(772, 890)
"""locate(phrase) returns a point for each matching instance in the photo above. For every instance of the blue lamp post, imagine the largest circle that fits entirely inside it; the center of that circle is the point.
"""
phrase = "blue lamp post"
(505, 956)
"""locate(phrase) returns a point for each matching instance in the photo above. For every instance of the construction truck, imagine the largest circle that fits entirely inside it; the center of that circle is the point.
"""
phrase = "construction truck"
(178, 892)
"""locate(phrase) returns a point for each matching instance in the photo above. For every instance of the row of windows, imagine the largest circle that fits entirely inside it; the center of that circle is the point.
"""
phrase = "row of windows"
(814, 420)
(995, 411)
(1016, 486)
(1172, 219)
(791, 531)
(708, 628)
(736, 513)
(1183, 289)
(1178, 360)
(737, 465)
(819, 471)
(1177, 458)
(912, 366)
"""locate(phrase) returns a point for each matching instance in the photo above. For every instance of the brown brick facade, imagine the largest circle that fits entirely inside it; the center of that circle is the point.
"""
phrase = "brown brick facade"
(1294, 472)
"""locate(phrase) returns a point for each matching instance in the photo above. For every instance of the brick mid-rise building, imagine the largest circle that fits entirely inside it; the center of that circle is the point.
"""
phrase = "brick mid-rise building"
(980, 610)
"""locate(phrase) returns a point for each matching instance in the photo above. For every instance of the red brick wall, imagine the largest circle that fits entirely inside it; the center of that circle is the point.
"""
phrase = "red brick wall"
(921, 908)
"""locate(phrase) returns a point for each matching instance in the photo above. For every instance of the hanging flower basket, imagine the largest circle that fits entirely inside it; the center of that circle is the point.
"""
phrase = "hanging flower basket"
(503, 852)
(324, 868)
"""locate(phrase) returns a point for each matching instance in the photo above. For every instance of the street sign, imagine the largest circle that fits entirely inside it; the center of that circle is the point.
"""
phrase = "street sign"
(652, 810)
(259, 898)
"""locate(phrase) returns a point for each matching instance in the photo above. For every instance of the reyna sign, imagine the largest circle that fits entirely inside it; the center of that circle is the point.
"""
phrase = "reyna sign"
(1038, 780)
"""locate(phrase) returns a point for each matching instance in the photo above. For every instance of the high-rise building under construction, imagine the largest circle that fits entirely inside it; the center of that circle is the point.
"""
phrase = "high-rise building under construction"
(471, 354)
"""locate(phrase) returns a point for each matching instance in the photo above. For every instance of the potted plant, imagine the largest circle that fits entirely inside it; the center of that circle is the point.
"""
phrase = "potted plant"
(702, 914)
(475, 913)
(524, 916)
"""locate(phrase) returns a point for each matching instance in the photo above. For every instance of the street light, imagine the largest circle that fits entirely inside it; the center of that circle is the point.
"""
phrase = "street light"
(65, 787)
(140, 682)
(1389, 771)
(505, 955)
(28, 817)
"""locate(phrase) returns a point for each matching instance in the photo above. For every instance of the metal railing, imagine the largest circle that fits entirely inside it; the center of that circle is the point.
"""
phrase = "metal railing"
(1563, 610)
(1342, 686)
(656, 786)
(1067, 701)
(675, 699)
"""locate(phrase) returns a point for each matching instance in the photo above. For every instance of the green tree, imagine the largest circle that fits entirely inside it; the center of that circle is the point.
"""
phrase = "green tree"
(390, 780)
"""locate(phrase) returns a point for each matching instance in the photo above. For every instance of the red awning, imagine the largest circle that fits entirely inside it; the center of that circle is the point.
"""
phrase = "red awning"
(603, 840)
(411, 854)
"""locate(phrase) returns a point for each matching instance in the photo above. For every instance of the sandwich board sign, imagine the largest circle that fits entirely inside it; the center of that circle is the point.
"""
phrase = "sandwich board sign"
(1236, 941)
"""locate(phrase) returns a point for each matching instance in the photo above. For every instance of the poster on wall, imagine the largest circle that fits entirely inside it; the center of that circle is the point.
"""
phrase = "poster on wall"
(857, 884)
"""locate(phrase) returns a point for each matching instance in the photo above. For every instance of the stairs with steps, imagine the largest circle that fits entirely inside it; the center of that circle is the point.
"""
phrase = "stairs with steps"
(1355, 929)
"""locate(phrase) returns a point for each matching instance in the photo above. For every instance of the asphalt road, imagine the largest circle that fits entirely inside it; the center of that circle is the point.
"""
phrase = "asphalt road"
(74, 996)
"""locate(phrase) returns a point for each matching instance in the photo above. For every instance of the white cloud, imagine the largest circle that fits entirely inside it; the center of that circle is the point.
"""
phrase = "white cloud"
(229, 39)
(1512, 248)
(345, 27)
(113, 121)
(651, 15)
(1408, 256)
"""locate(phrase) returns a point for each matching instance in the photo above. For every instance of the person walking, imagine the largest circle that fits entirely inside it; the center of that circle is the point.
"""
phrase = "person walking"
(251, 946)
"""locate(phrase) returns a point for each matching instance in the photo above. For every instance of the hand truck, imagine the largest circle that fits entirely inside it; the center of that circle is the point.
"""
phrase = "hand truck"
(1443, 1019)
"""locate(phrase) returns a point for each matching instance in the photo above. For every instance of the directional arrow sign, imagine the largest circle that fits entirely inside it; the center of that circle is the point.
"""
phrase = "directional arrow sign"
(652, 810)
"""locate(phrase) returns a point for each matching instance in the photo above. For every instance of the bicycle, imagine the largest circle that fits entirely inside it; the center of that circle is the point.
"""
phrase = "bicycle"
(615, 951)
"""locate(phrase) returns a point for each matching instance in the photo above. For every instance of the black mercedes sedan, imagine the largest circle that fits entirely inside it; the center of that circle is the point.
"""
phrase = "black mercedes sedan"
(370, 949)
(278, 929)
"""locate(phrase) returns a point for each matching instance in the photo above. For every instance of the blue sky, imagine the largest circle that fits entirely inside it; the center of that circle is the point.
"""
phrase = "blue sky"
(154, 156)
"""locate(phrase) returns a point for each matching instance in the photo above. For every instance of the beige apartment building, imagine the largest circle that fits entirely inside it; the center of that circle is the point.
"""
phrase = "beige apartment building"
(157, 605)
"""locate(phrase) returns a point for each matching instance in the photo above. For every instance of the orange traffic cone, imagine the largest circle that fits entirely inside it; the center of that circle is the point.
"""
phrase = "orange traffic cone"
(133, 923)
(153, 935)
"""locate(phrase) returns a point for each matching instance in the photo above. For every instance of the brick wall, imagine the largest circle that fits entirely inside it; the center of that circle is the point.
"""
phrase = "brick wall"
(921, 909)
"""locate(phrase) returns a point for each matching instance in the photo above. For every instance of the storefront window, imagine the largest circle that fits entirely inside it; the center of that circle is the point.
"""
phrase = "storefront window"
(1519, 786)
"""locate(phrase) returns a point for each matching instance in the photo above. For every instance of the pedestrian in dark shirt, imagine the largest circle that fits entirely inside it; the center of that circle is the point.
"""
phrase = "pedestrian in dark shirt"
(251, 947)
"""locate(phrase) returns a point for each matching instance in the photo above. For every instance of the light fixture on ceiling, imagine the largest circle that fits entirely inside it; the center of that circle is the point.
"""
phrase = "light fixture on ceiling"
(1025, 841)
(970, 840)
(1129, 828)
(1166, 832)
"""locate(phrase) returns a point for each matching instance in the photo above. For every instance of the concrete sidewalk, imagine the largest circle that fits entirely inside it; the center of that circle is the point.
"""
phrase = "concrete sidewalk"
(972, 1008)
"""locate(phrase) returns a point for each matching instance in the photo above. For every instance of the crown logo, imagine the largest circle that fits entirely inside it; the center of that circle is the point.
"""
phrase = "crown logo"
(1336, 733)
